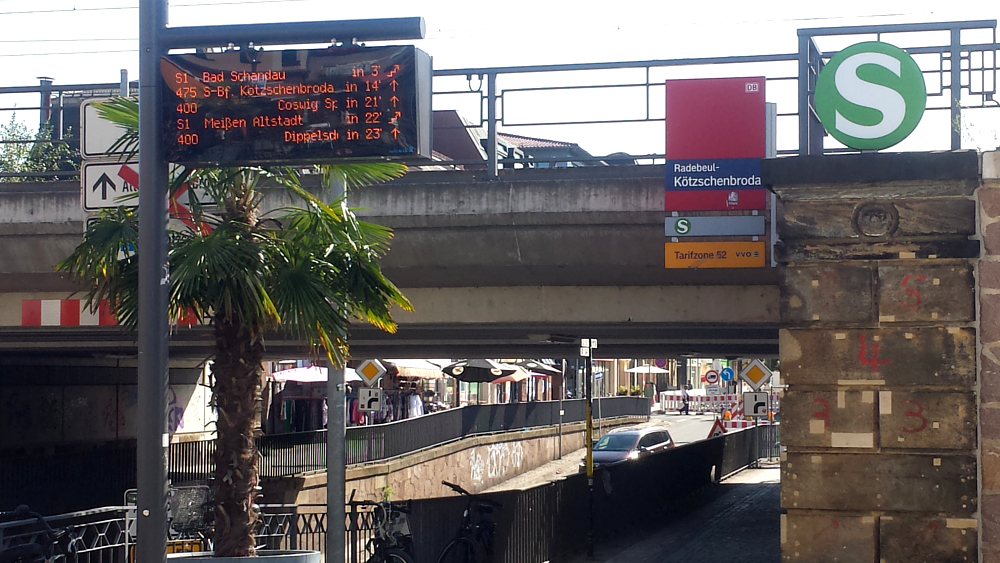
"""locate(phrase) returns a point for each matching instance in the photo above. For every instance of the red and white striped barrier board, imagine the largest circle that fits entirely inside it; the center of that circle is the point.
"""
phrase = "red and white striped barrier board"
(74, 312)
(737, 424)
(672, 400)
(64, 312)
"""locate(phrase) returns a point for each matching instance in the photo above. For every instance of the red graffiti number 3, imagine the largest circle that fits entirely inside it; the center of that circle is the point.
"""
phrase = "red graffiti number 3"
(874, 362)
(917, 414)
(824, 414)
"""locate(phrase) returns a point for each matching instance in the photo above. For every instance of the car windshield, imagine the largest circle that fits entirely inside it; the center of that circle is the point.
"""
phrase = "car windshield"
(615, 443)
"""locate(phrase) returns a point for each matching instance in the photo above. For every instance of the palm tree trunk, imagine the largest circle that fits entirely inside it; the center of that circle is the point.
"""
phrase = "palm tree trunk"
(238, 380)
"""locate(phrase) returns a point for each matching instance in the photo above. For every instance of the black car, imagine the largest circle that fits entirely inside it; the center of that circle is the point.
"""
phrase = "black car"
(630, 443)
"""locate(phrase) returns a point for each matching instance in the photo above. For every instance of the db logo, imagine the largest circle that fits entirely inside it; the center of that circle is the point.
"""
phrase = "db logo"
(752, 87)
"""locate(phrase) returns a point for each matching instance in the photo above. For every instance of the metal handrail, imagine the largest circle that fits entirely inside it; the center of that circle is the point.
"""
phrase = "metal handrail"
(810, 61)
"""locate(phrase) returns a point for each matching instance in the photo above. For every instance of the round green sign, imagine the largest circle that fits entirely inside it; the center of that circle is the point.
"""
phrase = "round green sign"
(682, 226)
(871, 95)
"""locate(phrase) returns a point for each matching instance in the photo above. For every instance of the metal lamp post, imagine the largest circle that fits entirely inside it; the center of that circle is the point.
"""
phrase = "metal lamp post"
(155, 38)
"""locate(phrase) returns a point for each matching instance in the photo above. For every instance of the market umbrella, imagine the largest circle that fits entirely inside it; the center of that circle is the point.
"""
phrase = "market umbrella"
(311, 374)
(478, 371)
(536, 367)
(647, 369)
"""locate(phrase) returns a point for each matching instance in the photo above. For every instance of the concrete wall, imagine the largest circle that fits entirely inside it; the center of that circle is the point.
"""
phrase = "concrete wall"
(880, 416)
(475, 464)
(989, 357)
(86, 402)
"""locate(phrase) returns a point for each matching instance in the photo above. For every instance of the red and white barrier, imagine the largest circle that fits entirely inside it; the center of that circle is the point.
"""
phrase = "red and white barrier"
(738, 424)
(74, 312)
(64, 312)
(701, 403)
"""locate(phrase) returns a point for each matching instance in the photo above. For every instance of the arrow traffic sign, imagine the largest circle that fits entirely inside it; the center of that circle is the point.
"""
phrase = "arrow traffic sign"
(370, 371)
(369, 399)
(755, 405)
(104, 183)
(756, 374)
(727, 374)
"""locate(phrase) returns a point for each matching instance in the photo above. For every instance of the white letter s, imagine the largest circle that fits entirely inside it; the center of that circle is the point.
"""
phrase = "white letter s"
(866, 94)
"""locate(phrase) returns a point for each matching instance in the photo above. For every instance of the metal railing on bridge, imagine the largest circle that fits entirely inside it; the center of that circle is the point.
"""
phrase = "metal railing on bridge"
(509, 98)
(291, 454)
(544, 523)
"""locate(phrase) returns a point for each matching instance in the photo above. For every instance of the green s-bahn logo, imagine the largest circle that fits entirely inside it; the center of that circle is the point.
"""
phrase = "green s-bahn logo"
(870, 96)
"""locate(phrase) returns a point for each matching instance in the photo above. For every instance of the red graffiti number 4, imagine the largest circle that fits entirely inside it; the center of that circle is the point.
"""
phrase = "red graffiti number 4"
(874, 362)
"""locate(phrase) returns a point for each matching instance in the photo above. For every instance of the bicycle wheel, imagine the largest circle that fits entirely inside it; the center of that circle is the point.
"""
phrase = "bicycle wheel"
(26, 553)
(460, 550)
(395, 555)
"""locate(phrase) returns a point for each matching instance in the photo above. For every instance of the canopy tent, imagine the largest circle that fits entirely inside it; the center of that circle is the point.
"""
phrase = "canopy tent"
(311, 374)
(421, 369)
(648, 368)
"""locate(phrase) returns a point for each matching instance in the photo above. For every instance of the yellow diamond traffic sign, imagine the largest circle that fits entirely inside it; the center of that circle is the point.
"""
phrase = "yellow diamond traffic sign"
(756, 374)
(370, 371)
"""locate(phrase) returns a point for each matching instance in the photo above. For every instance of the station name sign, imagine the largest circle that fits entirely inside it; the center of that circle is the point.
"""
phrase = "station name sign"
(715, 140)
(314, 105)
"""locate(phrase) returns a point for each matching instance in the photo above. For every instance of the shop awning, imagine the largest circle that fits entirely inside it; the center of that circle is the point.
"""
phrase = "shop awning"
(312, 374)
(422, 369)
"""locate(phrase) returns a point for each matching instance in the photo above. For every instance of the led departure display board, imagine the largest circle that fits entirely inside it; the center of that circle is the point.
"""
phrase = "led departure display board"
(313, 105)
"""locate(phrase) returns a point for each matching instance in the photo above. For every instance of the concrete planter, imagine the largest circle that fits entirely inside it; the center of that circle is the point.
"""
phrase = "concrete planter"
(263, 556)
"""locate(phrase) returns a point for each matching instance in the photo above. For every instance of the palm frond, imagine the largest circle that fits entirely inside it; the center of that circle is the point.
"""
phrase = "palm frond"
(222, 274)
(353, 175)
(106, 263)
(125, 113)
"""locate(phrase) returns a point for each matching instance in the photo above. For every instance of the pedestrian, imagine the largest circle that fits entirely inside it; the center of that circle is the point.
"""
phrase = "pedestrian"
(685, 399)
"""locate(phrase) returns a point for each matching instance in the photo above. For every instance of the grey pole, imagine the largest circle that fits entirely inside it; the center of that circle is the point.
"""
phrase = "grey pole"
(955, 88)
(491, 126)
(562, 392)
(336, 455)
(336, 465)
(152, 438)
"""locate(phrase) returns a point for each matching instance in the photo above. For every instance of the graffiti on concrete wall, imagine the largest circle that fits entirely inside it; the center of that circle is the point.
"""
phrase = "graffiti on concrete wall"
(477, 466)
(496, 462)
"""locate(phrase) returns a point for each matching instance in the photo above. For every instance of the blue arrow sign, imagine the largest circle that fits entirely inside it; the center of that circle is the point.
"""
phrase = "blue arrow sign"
(727, 374)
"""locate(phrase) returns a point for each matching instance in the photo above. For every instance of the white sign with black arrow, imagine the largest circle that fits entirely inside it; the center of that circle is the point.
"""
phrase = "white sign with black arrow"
(755, 405)
(369, 399)
(105, 182)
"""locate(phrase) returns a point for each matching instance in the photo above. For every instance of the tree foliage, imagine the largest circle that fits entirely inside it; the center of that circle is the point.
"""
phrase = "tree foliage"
(307, 270)
(23, 153)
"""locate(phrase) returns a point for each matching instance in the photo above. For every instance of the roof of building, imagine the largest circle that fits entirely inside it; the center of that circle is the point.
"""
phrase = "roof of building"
(533, 143)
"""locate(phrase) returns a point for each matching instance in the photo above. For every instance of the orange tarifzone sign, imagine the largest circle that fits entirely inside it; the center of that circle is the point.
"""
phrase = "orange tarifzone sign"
(714, 254)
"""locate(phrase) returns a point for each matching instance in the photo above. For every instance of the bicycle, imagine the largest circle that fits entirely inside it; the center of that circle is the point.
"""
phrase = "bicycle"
(392, 542)
(474, 540)
(48, 546)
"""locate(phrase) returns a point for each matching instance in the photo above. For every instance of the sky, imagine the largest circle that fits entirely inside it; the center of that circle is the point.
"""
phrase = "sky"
(86, 41)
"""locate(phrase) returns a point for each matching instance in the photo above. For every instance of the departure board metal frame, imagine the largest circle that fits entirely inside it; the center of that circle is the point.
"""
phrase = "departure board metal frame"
(245, 107)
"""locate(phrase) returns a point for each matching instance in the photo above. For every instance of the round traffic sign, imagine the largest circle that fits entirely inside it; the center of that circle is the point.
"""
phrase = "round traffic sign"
(711, 377)
(727, 374)
(660, 363)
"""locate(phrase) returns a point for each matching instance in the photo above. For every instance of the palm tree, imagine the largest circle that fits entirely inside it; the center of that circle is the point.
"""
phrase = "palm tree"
(304, 270)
